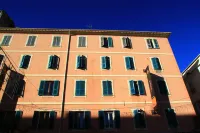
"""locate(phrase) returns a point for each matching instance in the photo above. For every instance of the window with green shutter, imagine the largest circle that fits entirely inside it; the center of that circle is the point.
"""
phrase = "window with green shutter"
(81, 62)
(25, 61)
(129, 63)
(54, 61)
(139, 119)
(106, 42)
(107, 88)
(79, 120)
(126, 42)
(105, 62)
(152, 44)
(56, 41)
(6, 40)
(137, 87)
(156, 63)
(82, 41)
(80, 88)
(31, 41)
(162, 87)
(49, 88)
(171, 118)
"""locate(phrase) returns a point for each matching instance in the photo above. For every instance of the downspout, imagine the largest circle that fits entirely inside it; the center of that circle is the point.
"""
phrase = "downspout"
(65, 86)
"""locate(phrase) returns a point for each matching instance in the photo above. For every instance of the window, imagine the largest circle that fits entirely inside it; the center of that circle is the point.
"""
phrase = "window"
(49, 88)
(25, 61)
(126, 42)
(171, 118)
(163, 87)
(43, 119)
(156, 63)
(152, 44)
(54, 61)
(80, 88)
(9, 120)
(56, 41)
(129, 63)
(136, 87)
(31, 41)
(106, 42)
(79, 120)
(139, 119)
(107, 88)
(105, 62)
(1, 58)
(6, 40)
(81, 62)
(109, 119)
(82, 41)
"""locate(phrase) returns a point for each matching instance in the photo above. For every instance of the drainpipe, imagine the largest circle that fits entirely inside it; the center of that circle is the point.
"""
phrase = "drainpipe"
(65, 86)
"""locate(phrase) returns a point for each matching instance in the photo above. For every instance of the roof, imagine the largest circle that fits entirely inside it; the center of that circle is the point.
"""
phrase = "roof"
(190, 65)
(85, 32)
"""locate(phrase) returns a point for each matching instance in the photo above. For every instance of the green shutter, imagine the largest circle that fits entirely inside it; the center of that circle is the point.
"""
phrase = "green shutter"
(109, 86)
(141, 87)
(102, 42)
(117, 118)
(41, 88)
(82, 88)
(105, 88)
(156, 43)
(26, 61)
(52, 116)
(55, 62)
(107, 62)
(87, 119)
(50, 61)
(104, 62)
(156, 63)
(83, 41)
(35, 119)
(128, 63)
(136, 119)
(132, 87)
(80, 41)
(110, 42)
(149, 43)
(56, 86)
(77, 91)
(22, 61)
(18, 116)
(124, 42)
(132, 63)
(78, 64)
(101, 119)
(128, 42)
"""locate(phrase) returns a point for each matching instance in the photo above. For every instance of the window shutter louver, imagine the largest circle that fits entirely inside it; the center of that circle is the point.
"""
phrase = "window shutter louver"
(18, 116)
(77, 92)
(50, 61)
(156, 43)
(56, 86)
(22, 62)
(102, 42)
(105, 88)
(104, 62)
(7, 40)
(4, 40)
(136, 118)
(82, 88)
(35, 119)
(109, 86)
(117, 118)
(149, 43)
(52, 116)
(128, 42)
(132, 63)
(78, 65)
(141, 87)
(128, 63)
(101, 119)
(41, 89)
(156, 63)
(55, 62)
(33, 40)
(110, 42)
(80, 41)
(132, 87)
(29, 40)
(26, 61)
(107, 62)
(83, 41)
(124, 42)
(84, 62)
(87, 119)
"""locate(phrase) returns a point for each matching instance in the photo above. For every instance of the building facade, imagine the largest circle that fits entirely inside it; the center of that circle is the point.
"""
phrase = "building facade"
(92, 81)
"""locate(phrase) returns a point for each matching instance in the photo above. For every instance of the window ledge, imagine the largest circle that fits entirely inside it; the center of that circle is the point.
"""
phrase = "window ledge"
(81, 96)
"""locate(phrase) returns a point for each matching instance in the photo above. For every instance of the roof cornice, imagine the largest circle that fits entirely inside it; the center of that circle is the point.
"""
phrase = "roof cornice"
(86, 32)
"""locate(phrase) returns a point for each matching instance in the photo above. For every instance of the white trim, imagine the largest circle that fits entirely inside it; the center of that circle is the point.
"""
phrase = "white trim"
(101, 63)
(133, 63)
(142, 75)
(113, 94)
(134, 118)
(85, 87)
(28, 39)
(169, 94)
(9, 41)
(86, 41)
(28, 64)
(150, 58)
(45, 75)
(53, 39)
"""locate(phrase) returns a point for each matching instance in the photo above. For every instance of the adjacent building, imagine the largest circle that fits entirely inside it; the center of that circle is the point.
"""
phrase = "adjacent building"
(91, 80)
(5, 20)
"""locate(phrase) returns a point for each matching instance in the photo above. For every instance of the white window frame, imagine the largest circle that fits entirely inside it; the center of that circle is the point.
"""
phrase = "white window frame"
(86, 41)
(61, 37)
(123, 44)
(85, 87)
(76, 61)
(169, 94)
(159, 61)
(9, 41)
(48, 62)
(152, 42)
(28, 39)
(107, 38)
(112, 88)
(134, 118)
(133, 63)
(21, 61)
(101, 63)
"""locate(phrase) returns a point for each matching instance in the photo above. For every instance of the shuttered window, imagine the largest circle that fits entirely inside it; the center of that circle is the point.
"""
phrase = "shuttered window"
(80, 88)
(105, 62)
(109, 119)
(156, 63)
(82, 41)
(43, 119)
(25, 61)
(81, 62)
(54, 61)
(171, 118)
(6, 40)
(137, 87)
(10, 120)
(139, 119)
(56, 41)
(129, 63)
(152, 44)
(31, 41)
(107, 88)
(79, 120)
(49, 88)
(126, 42)
(106, 42)
(163, 87)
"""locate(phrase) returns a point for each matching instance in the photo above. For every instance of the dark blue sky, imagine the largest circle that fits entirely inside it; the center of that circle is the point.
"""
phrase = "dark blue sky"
(181, 17)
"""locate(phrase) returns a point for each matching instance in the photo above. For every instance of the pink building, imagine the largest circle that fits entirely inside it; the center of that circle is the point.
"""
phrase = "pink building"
(61, 80)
